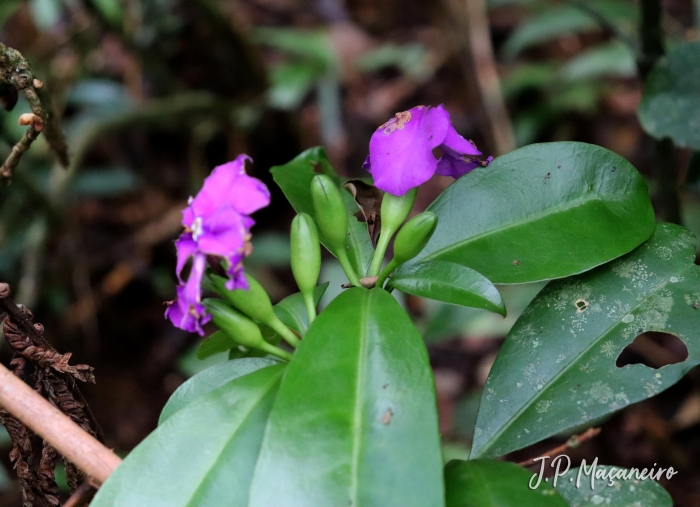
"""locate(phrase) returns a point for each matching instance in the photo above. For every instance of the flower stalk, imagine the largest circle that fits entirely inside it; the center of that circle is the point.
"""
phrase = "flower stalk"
(410, 240)
(394, 211)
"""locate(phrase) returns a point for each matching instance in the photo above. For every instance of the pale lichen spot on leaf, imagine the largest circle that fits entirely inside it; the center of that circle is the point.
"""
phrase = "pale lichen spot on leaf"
(542, 406)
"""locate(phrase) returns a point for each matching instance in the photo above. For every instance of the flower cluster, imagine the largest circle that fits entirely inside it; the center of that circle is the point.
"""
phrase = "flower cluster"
(217, 223)
(401, 151)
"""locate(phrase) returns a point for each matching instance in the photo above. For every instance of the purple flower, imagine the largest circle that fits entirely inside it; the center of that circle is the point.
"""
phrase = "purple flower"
(217, 223)
(401, 151)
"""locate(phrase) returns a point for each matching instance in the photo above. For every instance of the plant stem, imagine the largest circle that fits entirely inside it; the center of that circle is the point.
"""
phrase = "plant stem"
(284, 332)
(388, 269)
(347, 267)
(310, 306)
(276, 351)
(378, 257)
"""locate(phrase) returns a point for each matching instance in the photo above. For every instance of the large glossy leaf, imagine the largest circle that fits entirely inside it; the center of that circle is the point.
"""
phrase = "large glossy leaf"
(576, 488)
(202, 456)
(355, 421)
(292, 310)
(294, 178)
(544, 211)
(670, 106)
(450, 283)
(557, 370)
(209, 379)
(485, 483)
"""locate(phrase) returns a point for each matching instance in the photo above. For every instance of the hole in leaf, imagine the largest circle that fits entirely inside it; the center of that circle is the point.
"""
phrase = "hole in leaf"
(581, 305)
(653, 349)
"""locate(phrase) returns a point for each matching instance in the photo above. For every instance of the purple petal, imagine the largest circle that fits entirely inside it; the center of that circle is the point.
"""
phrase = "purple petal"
(455, 166)
(186, 247)
(188, 216)
(217, 187)
(187, 315)
(193, 290)
(234, 270)
(187, 311)
(401, 150)
(224, 233)
(249, 194)
(456, 145)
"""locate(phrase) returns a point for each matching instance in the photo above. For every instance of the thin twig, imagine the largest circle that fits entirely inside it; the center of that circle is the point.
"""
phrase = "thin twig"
(16, 73)
(572, 443)
(69, 439)
(18, 150)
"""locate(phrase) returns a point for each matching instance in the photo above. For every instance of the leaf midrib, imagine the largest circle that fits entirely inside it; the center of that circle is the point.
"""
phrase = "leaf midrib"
(357, 413)
(252, 407)
(568, 367)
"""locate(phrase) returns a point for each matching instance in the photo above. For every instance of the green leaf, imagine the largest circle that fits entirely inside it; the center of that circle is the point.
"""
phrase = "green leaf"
(670, 105)
(110, 10)
(412, 59)
(292, 310)
(312, 45)
(203, 455)
(450, 283)
(290, 82)
(7, 9)
(294, 178)
(556, 370)
(622, 493)
(485, 483)
(355, 420)
(562, 20)
(216, 343)
(208, 380)
(540, 212)
(447, 321)
(611, 59)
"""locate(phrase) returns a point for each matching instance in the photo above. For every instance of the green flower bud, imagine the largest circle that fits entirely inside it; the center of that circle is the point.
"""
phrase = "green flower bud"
(413, 236)
(239, 328)
(331, 214)
(306, 253)
(395, 210)
(332, 219)
(254, 302)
